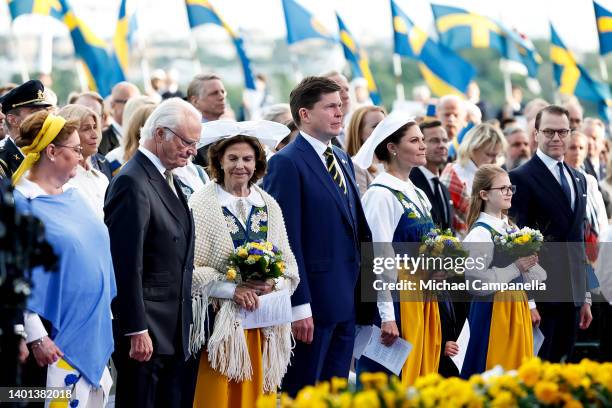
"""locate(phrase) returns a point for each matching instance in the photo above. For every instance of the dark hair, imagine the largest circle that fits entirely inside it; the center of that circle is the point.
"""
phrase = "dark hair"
(381, 151)
(553, 110)
(32, 124)
(308, 92)
(430, 124)
(216, 152)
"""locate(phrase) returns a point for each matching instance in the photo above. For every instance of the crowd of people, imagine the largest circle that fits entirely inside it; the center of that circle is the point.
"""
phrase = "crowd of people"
(145, 199)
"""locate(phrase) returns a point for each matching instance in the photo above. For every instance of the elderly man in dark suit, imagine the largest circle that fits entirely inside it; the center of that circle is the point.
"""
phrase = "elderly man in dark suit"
(314, 184)
(551, 196)
(151, 232)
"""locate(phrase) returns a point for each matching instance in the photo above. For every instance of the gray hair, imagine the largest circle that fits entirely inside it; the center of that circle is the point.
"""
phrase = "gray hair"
(273, 112)
(512, 130)
(170, 114)
(196, 86)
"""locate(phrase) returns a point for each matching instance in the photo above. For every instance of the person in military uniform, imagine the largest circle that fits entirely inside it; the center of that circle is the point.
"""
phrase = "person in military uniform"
(17, 104)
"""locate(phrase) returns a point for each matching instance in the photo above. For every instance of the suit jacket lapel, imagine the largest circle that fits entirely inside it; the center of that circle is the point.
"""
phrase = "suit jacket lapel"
(547, 181)
(314, 162)
(171, 202)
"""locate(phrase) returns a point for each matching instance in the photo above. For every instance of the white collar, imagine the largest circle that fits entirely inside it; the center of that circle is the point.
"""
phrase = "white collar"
(226, 199)
(548, 161)
(388, 180)
(153, 158)
(118, 128)
(316, 144)
(469, 167)
(500, 225)
(427, 173)
(31, 190)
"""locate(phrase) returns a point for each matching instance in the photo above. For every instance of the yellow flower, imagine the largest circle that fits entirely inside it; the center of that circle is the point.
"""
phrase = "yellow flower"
(572, 374)
(254, 258)
(231, 274)
(267, 401)
(366, 399)
(242, 252)
(547, 392)
(373, 380)
(285, 400)
(504, 399)
(338, 384)
(281, 266)
(529, 372)
(573, 404)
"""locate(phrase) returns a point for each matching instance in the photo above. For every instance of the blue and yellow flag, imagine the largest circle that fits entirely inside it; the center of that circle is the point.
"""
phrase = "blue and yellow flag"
(51, 8)
(444, 71)
(573, 79)
(102, 69)
(302, 25)
(358, 59)
(459, 29)
(202, 12)
(604, 28)
(127, 24)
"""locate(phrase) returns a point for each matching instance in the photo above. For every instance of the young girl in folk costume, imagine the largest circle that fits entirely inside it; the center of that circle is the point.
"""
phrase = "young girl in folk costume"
(500, 322)
(397, 211)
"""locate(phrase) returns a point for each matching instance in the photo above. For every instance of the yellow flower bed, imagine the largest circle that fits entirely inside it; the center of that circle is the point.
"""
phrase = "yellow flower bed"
(535, 383)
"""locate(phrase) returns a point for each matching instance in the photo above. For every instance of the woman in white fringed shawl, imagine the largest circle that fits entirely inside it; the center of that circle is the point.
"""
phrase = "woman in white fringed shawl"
(236, 365)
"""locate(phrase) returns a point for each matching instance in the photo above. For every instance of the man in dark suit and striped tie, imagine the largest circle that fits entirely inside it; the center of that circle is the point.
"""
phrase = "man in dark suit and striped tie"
(314, 184)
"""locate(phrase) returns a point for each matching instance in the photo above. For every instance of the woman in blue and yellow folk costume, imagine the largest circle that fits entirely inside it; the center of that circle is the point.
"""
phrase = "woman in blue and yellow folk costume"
(76, 298)
(500, 322)
(236, 365)
(397, 211)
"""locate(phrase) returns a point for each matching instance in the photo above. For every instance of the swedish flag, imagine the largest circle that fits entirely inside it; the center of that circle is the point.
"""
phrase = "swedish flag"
(302, 25)
(444, 71)
(51, 8)
(572, 79)
(604, 28)
(358, 59)
(103, 70)
(202, 12)
(459, 29)
(127, 24)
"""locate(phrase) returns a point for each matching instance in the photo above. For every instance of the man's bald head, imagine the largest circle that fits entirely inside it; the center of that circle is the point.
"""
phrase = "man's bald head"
(121, 93)
(451, 111)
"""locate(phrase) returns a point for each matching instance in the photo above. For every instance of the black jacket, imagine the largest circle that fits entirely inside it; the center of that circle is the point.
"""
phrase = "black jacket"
(152, 242)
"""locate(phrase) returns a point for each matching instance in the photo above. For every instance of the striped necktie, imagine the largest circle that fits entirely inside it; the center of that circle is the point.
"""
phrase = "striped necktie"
(170, 180)
(333, 169)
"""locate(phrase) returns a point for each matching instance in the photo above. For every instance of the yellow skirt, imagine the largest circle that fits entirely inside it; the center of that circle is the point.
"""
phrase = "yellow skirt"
(511, 333)
(420, 323)
(216, 390)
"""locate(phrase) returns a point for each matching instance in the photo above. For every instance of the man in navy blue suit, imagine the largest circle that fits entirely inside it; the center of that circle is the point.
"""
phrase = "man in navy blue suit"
(314, 184)
(551, 196)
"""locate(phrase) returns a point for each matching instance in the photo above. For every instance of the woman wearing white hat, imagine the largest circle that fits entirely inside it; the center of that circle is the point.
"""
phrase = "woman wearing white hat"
(397, 211)
(236, 365)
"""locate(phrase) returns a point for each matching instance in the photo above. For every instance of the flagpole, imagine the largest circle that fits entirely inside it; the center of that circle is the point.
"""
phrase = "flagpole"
(45, 55)
(295, 65)
(397, 71)
(603, 68)
(25, 76)
(80, 68)
(193, 48)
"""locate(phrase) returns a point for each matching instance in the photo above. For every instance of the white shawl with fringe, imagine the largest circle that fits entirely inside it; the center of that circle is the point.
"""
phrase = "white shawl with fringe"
(227, 348)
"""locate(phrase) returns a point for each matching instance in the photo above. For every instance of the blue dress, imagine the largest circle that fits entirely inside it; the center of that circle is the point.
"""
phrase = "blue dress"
(412, 226)
(75, 299)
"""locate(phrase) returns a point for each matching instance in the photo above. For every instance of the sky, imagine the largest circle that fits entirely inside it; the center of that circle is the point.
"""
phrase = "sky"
(367, 20)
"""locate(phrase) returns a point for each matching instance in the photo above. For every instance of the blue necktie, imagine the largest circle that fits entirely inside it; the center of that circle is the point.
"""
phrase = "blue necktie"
(564, 184)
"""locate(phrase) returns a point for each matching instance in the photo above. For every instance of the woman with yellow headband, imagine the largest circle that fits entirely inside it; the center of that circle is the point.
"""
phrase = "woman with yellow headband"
(75, 299)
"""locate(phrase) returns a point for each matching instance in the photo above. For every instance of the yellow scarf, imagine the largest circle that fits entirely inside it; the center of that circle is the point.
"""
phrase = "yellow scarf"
(49, 131)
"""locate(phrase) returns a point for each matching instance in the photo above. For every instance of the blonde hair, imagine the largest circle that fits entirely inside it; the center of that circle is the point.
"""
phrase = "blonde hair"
(132, 106)
(132, 134)
(478, 137)
(80, 113)
(483, 180)
(355, 127)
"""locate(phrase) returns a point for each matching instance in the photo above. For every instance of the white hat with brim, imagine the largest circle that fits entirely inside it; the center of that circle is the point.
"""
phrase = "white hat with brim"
(267, 132)
(383, 130)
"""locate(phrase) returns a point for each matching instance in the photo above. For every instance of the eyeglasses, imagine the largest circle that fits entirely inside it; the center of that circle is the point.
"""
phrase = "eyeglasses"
(77, 149)
(505, 190)
(184, 142)
(550, 133)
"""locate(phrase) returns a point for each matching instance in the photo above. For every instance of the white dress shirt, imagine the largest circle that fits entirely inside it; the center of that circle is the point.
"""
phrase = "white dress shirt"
(552, 165)
(92, 185)
(320, 148)
(383, 212)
